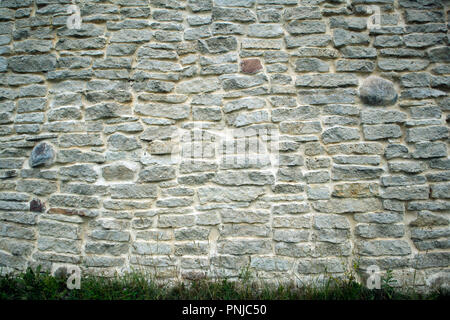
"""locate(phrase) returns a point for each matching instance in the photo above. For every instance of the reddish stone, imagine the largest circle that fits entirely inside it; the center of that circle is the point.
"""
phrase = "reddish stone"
(193, 275)
(251, 66)
(37, 205)
(69, 212)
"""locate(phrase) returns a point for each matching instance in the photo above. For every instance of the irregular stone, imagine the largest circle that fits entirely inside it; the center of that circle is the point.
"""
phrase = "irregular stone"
(42, 154)
(290, 236)
(59, 230)
(131, 35)
(117, 172)
(406, 193)
(298, 27)
(321, 176)
(440, 164)
(382, 131)
(398, 180)
(325, 53)
(388, 41)
(265, 30)
(353, 23)
(440, 191)
(347, 205)
(343, 37)
(426, 150)
(32, 63)
(355, 66)
(355, 190)
(157, 173)
(73, 155)
(378, 217)
(311, 64)
(84, 189)
(429, 133)
(431, 260)
(339, 134)
(37, 206)
(239, 216)
(314, 40)
(198, 86)
(105, 111)
(3, 64)
(271, 264)
(80, 140)
(302, 13)
(406, 166)
(233, 14)
(382, 116)
(356, 148)
(328, 96)
(291, 208)
(81, 172)
(243, 247)
(198, 179)
(355, 52)
(439, 54)
(121, 142)
(402, 64)
(37, 187)
(220, 69)
(236, 82)
(251, 66)
(197, 166)
(420, 40)
(428, 219)
(229, 194)
(299, 113)
(244, 178)
(377, 91)
(158, 66)
(419, 79)
(434, 205)
(163, 110)
(318, 193)
(320, 265)
(132, 191)
(384, 247)
(220, 44)
(326, 80)
(420, 4)
(341, 172)
(174, 202)
(298, 128)
(396, 151)
(65, 113)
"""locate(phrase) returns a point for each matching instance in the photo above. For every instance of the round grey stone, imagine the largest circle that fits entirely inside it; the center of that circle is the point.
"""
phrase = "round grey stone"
(376, 91)
(42, 155)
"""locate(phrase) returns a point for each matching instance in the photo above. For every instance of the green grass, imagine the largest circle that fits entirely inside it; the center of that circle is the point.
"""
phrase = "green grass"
(36, 285)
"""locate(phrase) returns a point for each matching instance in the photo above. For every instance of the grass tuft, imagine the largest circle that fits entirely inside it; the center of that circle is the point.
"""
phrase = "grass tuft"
(37, 285)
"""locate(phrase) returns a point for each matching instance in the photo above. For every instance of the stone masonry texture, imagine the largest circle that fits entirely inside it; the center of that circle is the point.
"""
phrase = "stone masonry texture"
(95, 173)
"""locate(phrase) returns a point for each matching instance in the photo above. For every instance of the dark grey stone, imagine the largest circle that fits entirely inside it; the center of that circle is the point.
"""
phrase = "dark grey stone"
(42, 155)
(376, 91)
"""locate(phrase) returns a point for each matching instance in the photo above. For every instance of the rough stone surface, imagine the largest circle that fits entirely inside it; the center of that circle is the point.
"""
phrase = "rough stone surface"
(376, 91)
(42, 154)
(199, 138)
(251, 65)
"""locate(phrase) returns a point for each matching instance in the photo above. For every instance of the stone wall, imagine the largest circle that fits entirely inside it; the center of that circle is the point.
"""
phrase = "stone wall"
(127, 138)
